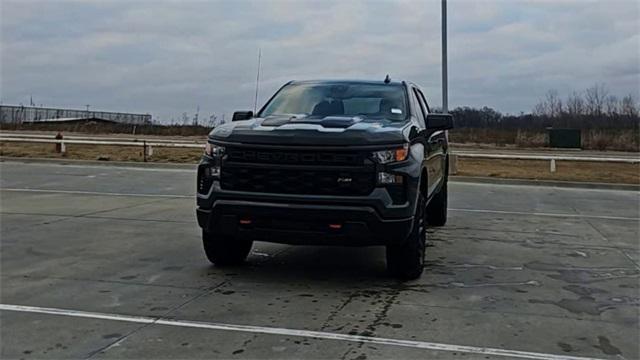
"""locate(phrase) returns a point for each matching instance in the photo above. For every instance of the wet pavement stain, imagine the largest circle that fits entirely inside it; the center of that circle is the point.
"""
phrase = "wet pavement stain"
(565, 347)
(589, 305)
(606, 347)
(583, 290)
(584, 304)
(583, 275)
(173, 268)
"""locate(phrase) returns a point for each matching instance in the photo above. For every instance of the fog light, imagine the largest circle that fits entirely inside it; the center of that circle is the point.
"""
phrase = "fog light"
(213, 171)
(386, 178)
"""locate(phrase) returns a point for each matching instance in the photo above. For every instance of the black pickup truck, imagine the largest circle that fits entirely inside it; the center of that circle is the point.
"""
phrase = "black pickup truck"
(349, 163)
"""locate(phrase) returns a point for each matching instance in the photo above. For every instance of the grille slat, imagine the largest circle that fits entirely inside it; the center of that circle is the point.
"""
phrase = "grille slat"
(288, 172)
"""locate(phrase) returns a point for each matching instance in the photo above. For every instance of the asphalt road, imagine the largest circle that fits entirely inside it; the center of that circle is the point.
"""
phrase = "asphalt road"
(106, 262)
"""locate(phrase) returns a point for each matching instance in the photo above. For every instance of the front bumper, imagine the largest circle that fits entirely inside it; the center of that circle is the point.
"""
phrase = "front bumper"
(372, 219)
(302, 223)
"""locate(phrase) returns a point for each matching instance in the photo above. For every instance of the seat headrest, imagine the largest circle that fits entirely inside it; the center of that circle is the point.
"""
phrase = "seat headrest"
(326, 108)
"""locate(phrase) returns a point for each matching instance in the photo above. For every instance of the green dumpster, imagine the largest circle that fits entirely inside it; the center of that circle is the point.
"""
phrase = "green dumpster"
(565, 138)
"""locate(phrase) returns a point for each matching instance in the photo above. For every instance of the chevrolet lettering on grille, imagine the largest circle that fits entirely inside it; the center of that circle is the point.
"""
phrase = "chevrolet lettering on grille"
(291, 157)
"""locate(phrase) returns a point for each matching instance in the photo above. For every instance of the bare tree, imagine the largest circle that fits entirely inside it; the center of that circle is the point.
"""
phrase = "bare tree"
(540, 109)
(575, 105)
(595, 97)
(628, 106)
(213, 120)
(196, 116)
(550, 106)
(554, 104)
(611, 105)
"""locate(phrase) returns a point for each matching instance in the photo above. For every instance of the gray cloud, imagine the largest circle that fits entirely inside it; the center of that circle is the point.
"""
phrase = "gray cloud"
(168, 57)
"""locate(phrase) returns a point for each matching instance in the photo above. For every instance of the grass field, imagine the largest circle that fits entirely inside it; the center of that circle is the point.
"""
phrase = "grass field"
(106, 152)
(539, 170)
(514, 169)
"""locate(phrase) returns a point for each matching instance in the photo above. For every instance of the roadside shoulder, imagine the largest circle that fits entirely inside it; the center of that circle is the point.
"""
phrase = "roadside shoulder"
(553, 183)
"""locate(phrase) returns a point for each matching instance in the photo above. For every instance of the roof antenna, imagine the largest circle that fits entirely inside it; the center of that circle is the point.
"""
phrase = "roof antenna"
(387, 79)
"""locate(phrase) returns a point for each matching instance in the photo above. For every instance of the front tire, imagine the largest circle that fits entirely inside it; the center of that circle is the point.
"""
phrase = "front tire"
(437, 209)
(406, 260)
(225, 250)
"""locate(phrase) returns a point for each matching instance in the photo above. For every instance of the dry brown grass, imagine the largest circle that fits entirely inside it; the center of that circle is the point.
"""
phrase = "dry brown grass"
(100, 128)
(592, 139)
(539, 170)
(515, 169)
(93, 152)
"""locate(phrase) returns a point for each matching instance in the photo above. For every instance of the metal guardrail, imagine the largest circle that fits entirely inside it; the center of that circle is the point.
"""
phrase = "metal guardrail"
(148, 145)
(548, 157)
(101, 138)
(161, 143)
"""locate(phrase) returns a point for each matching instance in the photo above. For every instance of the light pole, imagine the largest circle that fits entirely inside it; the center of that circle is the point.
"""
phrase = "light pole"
(445, 89)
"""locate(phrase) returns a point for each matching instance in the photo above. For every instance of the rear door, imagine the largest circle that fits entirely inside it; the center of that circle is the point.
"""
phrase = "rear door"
(434, 147)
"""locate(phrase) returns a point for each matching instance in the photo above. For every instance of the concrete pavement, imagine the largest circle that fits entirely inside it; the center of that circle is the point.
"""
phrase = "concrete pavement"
(534, 272)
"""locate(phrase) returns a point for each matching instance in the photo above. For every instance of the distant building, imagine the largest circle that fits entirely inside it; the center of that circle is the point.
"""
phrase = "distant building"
(32, 114)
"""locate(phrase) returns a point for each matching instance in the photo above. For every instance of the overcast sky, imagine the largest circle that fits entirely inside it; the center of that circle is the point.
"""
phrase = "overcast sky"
(168, 57)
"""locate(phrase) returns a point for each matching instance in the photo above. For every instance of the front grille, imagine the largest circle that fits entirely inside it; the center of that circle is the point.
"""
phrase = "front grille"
(299, 172)
(303, 157)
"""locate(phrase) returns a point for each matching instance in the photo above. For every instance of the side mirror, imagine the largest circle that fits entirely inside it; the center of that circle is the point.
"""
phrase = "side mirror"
(439, 121)
(242, 115)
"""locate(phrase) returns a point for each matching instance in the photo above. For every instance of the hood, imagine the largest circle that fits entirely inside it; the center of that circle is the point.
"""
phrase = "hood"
(303, 130)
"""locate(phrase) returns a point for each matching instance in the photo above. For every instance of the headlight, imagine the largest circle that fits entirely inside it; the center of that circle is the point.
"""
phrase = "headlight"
(393, 155)
(213, 150)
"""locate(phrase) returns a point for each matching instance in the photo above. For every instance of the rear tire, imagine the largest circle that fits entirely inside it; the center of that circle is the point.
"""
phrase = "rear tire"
(437, 209)
(225, 250)
(406, 260)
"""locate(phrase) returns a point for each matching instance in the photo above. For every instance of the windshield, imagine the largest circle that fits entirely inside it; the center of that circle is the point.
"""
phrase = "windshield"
(340, 99)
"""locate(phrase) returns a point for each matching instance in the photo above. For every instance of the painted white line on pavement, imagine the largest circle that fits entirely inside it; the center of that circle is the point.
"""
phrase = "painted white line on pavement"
(294, 332)
(78, 192)
(105, 167)
(603, 217)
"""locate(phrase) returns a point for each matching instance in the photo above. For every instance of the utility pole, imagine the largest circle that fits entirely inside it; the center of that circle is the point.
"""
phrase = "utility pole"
(445, 87)
(255, 102)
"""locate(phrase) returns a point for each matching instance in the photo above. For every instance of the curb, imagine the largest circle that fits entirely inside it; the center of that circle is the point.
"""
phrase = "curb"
(97, 163)
(552, 183)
